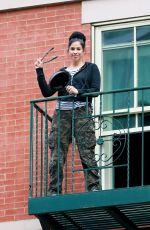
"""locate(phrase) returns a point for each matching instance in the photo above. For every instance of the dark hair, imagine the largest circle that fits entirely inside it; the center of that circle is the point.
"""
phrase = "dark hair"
(77, 36)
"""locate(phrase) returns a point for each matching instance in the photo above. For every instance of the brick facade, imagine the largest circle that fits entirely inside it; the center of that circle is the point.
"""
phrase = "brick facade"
(24, 35)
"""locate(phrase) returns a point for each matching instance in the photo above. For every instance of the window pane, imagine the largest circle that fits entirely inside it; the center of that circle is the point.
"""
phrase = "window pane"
(118, 74)
(146, 121)
(117, 36)
(118, 122)
(125, 121)
(144, 73)
(143, 33)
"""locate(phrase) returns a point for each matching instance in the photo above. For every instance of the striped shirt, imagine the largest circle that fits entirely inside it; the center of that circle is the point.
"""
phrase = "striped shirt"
(70, 105)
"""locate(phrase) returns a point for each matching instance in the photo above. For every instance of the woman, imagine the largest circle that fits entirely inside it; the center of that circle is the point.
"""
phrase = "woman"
(85, 78)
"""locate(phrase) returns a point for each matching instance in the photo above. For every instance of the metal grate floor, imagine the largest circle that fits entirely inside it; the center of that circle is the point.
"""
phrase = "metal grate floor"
(100, 218)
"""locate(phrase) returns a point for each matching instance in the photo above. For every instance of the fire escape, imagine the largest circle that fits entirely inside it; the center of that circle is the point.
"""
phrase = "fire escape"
(122, 137)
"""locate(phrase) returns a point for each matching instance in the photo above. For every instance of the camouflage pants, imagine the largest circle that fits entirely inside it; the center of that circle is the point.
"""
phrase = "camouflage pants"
(59, 140)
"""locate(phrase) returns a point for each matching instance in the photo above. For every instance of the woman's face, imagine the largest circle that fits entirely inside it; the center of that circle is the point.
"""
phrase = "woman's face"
(76, 52)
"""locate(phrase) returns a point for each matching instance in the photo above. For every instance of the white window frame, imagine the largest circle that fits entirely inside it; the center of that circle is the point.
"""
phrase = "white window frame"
(107, 176)
(97, 58)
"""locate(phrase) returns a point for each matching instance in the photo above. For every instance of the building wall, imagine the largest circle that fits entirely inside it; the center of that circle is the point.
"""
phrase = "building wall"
(26, 34)
(9, 5)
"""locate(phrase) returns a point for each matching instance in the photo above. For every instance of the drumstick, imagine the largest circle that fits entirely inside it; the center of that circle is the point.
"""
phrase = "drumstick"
(47, 53)
(50, 59)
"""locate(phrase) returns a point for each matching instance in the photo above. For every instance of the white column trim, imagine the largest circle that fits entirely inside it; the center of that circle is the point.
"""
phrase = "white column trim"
(33, 224)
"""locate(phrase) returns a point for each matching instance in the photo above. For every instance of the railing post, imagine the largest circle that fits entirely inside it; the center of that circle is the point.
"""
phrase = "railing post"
(58, 151)
(31, 150)
(41, 153)
(73, 149)
(128, 143)
(36, 163)
(45, 151)
(142, 150)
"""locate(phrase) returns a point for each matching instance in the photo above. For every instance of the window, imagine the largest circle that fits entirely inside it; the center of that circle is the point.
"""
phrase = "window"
(122, 52)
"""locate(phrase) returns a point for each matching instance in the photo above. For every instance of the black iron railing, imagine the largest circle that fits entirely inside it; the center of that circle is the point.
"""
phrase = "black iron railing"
(122, 128)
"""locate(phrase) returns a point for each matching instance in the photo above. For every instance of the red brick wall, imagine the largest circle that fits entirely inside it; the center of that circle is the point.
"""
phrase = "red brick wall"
(25, 35)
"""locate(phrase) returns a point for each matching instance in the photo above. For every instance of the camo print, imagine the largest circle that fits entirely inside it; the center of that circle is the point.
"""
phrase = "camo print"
(60, 138)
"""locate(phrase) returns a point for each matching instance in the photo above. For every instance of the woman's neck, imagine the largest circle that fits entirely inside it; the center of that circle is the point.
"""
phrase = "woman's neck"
(77, 64)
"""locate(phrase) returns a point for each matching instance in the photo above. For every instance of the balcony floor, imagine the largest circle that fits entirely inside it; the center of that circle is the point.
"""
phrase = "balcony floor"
(109, 209)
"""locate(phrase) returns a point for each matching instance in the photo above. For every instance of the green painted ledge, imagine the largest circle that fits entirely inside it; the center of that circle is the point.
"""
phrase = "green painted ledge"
(106, 198)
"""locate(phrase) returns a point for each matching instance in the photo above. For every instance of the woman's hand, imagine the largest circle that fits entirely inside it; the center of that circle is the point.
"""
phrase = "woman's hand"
(71, 90)
(38, 63)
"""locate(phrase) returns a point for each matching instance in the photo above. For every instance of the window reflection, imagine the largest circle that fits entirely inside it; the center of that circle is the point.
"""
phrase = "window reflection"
(118, 74)
(144, 73)
(143, 33)
(117, 36)
(126, 64)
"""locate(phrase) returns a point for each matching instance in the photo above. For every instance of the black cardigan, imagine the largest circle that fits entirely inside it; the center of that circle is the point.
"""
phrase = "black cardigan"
(86, 80)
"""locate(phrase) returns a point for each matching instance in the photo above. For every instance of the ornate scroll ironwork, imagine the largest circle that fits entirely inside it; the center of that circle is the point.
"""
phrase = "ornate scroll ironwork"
(116, 137)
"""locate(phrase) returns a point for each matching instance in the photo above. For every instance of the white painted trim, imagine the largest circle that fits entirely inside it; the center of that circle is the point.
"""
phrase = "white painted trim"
(33, 224)
(107, 10)
(15, 4)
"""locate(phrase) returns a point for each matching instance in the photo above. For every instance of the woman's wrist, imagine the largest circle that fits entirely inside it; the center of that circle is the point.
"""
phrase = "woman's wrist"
(39, 71)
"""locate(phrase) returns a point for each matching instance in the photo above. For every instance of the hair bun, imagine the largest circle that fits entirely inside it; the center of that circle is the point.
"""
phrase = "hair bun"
(77, 35)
